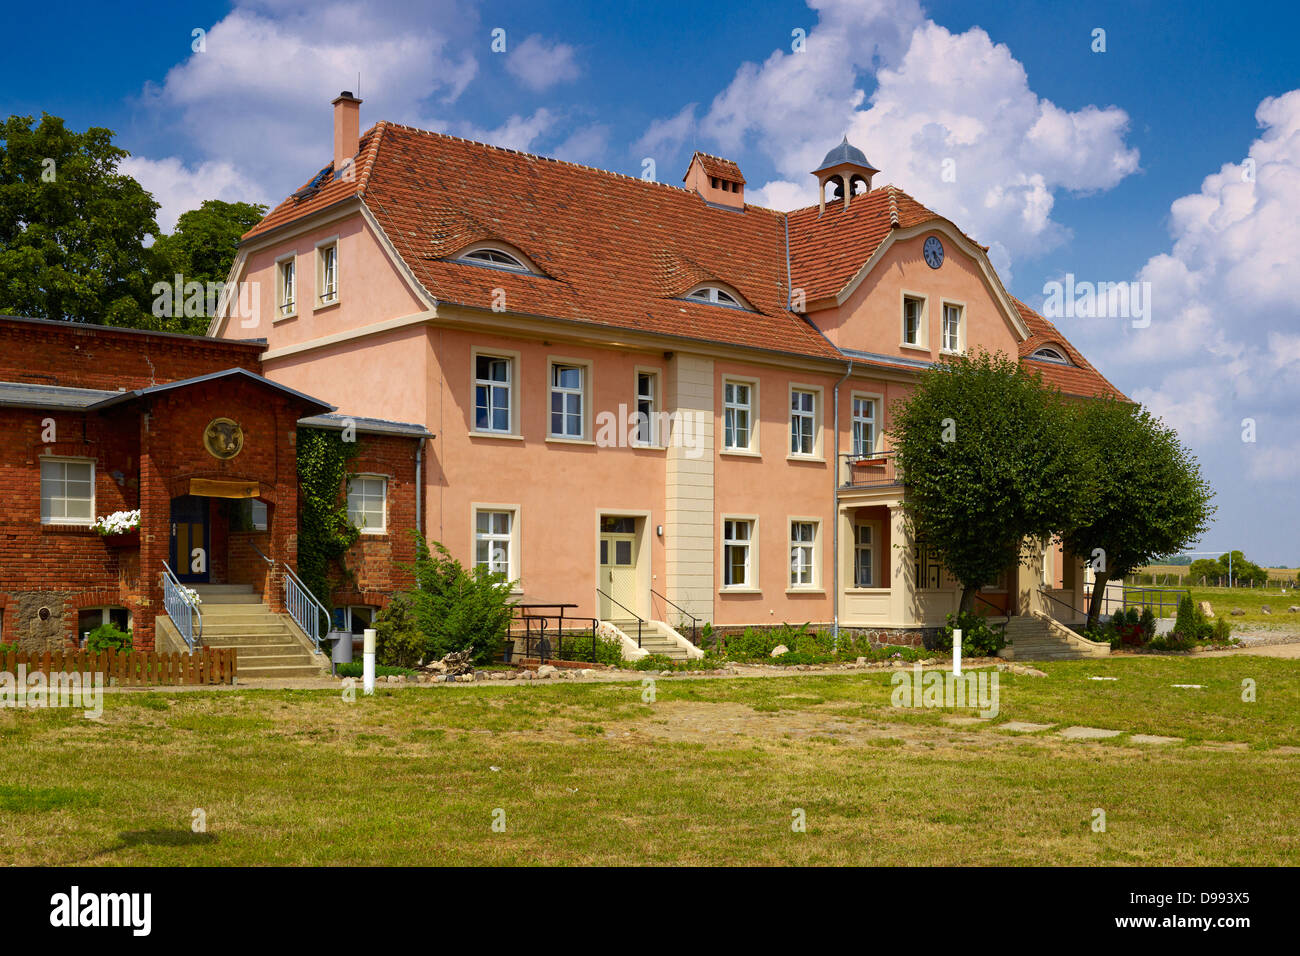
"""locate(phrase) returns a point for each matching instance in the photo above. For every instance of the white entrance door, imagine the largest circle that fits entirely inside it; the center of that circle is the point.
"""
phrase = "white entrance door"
(617, 576)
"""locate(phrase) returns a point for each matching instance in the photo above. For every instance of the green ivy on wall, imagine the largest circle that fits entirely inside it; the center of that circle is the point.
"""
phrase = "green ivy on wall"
(324, 532)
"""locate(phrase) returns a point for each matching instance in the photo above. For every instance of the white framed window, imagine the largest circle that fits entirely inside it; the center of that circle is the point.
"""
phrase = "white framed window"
(354, 618)
(717, 295)
(647, 408)
(738, 433)
(864, 426)
(67, 491)
(248, 514)
(803, 421)
(494, 540)
(368, 503)
(803, 560)
(864, 556)
(493, 393)
(494, 257)
(913, 321)
(568, 400)
(327, 273)
(1050, 354)
(286, 287)
(737, 553)
(951, 332)
(91, 618)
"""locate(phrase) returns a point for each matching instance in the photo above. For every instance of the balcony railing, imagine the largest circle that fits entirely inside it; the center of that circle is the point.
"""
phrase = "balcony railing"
(878, 470)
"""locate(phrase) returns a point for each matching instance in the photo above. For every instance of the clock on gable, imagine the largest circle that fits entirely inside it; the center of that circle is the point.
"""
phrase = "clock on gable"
(933, 252)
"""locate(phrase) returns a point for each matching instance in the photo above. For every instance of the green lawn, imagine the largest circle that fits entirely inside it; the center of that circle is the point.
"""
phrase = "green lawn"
(1250, 600)
(708, 773)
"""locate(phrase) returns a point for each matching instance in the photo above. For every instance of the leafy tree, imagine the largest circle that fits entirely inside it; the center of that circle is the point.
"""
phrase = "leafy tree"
(1148, 496)
(72, 228)
(202, 249)
(988, 463)
(1205, 568)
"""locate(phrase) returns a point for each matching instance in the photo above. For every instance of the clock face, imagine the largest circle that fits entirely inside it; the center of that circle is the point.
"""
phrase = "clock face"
(933, 252)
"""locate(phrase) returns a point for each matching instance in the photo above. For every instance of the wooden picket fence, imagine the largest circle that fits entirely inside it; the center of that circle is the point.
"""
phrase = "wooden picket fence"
(204, 666)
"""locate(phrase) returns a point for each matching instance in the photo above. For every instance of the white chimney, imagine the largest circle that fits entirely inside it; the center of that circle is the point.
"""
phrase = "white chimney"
(347, 130)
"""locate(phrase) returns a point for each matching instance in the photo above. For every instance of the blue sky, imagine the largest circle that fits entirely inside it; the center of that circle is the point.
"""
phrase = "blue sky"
(1112, 166)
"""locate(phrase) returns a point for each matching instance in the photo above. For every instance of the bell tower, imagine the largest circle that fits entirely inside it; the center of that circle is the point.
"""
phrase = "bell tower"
(848, 168)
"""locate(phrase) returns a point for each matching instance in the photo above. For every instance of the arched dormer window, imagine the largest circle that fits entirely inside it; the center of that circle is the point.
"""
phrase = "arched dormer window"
(716, 294)
(1050, 353)
(496, 256)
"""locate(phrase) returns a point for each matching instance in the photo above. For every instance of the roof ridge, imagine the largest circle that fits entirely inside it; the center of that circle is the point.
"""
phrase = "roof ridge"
(548, 159)
(893, 206)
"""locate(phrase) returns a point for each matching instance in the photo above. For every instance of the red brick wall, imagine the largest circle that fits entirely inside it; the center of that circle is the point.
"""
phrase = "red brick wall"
(371, 560)
(92, 356)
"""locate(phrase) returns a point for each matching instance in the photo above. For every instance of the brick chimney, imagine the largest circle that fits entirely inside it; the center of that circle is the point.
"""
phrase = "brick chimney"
(717, 180)
(347, 129)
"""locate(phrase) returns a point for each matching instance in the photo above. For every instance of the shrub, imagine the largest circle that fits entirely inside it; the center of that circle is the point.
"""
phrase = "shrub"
(1222, 631)
(399, 642)
(653, 662)
(978, 638)
(1191, 624)
(578, 647)
(106, 637)
(1148, 622)
(456, 608)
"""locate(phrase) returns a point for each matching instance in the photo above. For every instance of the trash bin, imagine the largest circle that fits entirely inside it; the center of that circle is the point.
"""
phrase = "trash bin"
(341, 652)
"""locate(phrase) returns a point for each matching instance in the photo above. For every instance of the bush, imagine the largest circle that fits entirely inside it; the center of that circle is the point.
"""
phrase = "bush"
(978, 638)
(578, 647)
(399, 642)
(1148, 622)
(1191, 624)
(456, 608)
(106, 637)
(653, 662)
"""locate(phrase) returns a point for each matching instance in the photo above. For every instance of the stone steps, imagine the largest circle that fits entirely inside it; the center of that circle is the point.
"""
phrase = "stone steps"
(267, 647)
(1033, 639)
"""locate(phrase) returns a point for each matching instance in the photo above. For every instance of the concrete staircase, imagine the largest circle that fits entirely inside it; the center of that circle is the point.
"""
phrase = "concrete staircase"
(1036, 637)
(655, 639)
(268, 644)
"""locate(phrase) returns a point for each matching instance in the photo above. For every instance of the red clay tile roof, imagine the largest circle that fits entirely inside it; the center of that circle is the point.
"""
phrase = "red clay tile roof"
(827, 249)
(717, 166)
(1081, 379)
(330, 191)
(591, 233)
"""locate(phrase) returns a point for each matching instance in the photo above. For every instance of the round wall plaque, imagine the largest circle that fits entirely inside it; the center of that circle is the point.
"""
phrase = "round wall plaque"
(223, 438)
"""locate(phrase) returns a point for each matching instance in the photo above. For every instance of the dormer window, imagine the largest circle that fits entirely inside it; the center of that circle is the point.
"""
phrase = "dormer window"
(496, 257)
(1048, 354)
(716, 295)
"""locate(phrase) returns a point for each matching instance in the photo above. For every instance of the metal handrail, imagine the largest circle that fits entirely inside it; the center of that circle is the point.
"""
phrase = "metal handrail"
(173, 602)
(1074, 612)
(1158, 607)
(302, 605)
(694, 620)
(639, 622)
(1000, 613)
(270, 561)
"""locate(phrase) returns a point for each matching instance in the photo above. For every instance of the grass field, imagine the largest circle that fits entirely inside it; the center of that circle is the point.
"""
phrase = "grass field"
(710, 772)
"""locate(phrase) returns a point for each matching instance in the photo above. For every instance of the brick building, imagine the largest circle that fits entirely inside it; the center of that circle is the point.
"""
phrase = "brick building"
(186, 430)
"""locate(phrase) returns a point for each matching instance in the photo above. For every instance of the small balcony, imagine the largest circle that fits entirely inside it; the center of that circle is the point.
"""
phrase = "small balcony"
(877, 470)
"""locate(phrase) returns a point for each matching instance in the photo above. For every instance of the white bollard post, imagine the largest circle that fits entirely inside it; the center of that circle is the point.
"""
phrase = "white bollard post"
(956, 651)
(368, 661)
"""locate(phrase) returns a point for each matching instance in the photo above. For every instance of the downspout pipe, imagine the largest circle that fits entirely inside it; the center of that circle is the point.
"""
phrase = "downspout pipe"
(835, 517)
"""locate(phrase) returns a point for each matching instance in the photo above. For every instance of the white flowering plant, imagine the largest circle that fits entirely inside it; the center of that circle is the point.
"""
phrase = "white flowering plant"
(119, 522)
(190, 596)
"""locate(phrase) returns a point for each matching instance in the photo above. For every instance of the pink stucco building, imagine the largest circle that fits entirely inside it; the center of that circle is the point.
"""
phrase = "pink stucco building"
(649, 400)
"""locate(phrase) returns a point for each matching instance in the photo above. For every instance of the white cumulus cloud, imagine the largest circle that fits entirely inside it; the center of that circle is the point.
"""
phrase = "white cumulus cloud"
(539, 64)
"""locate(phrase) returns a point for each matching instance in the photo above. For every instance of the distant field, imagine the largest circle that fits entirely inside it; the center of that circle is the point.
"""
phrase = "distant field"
(1176, 572)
